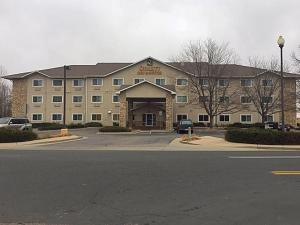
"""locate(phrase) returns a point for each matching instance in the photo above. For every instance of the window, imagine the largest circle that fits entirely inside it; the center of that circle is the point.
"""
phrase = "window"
(181, 99)
(246, 118)
(115, 117)
(96, 117)
(57, 117)
(181, 82)
(160, 81)
(97, 82)
(246, 83)
(267, 83)
(267, 99)
(223, 83)
(118, 81)
(57, 83)
(180, 117)
(138, 80)
(203, 82)
(269, 118)
(96, 99)
(57, 99)
(37, 83)
(224, 99)
(246, 100)
(115, 99)
(77, 117)
(37, 117)
(78, 83)
(203, 98)
(37, 99)
(203, 118)
(77, 99)
(224, 118)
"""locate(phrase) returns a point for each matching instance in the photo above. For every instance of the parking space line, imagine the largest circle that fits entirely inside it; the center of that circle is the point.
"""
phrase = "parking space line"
(286, 172)
(264, 157)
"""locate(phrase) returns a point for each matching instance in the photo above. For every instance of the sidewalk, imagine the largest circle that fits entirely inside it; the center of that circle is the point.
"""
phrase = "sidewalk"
(38, 142)
(207, 143)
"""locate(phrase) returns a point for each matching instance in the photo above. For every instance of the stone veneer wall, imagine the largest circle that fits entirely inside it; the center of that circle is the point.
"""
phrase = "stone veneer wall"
(169, 112)
(290, 102)
(19, 98)
(123, 110)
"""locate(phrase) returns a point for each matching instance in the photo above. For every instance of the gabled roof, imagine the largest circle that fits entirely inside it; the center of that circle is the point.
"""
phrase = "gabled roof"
(106, 69)
(169, 88)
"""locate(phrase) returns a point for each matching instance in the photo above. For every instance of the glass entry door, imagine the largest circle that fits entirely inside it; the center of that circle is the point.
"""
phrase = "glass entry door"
(148, 119)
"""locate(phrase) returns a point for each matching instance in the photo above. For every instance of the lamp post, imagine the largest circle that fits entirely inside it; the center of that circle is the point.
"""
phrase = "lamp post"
(280, 43)
(65, 91)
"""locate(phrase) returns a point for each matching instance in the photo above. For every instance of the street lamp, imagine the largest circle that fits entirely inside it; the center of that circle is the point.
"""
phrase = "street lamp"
(280, 43)
(65, 91)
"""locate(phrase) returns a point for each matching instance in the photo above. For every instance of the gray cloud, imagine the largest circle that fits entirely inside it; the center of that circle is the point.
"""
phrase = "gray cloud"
(47, 33)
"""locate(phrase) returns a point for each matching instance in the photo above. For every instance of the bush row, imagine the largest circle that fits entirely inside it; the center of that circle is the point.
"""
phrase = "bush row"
(57, 126)
(246, 125)
(15, 135)
(114, 129)
(260, 136)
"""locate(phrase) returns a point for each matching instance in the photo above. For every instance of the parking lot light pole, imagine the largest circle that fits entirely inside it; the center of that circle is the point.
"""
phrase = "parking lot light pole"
(65, 92)
(280, 43)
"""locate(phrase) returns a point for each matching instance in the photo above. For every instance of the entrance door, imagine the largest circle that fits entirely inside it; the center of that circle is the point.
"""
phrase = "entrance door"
(149, 119)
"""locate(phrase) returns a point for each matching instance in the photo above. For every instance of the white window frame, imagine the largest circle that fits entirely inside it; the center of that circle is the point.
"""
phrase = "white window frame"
(187, 99)
(245, 115)
(112, 99)
(268, 97)
(204, 85)
(97, 85)
(62, 99)
(225, 115)
(77, 96)
(246, 79)
(77, 86)
(37, 114)
(161, 78)
(181, 114)
(247, 103)
(223, 85)
(262, 83)
(38, 86)
(37, 102)
(56, 114)
(143, 79)
(201, 121)
(97, 96)
(112, 117)
(77, 114)
(225, 97)
(182, 85)
(96, 114)
(272, 117)
(118, 78)
(62, 83)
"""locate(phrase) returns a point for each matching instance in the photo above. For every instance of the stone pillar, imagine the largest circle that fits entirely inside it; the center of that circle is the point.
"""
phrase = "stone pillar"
(123, 110)
(19, 98)
(130, 113)
(169, 112)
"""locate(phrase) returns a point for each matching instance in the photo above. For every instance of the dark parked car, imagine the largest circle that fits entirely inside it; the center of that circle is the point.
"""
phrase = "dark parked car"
(183, 126)
(288, 127)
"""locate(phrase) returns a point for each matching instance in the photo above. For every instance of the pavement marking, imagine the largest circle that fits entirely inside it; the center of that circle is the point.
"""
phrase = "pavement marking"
(265, 157)
(286, 172)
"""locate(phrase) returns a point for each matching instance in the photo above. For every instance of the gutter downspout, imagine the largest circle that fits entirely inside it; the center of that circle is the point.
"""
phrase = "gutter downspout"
(86, 98)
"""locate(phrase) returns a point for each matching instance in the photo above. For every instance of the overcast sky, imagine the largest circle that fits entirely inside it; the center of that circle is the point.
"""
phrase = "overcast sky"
(37, 34)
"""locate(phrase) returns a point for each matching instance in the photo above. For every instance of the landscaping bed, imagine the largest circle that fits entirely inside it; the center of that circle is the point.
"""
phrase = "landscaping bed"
(8, 135)
(57, 126)
(262, 136)
(114, 129)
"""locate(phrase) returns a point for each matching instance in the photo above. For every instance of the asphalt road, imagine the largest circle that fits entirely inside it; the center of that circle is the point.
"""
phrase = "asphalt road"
(148, 188)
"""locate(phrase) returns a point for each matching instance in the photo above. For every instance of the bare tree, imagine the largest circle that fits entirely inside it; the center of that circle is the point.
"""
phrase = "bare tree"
(296, 60)
(207, 61)
(5, 95)
(263, 89)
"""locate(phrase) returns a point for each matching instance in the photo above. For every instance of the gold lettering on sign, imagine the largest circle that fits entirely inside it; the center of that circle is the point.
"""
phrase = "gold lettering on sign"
(149, 70)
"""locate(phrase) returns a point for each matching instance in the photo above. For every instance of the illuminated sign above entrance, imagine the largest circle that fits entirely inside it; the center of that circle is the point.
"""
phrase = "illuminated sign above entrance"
(149, 70)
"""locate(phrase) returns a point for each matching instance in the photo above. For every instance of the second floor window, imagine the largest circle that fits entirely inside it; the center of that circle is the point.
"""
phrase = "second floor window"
(203, 82)
(245, 100)
(37, 99)
(37, 83)
(267, 99)
(57, 99)
(77, 99)
(224, 99)
(223, 83)
(181, 99)
(118, 81)
(160, 81)
(246, 83)
(97, 81)
(78, 83)
(267, 83)
(181, 82)
(96, 99)
(116, 99)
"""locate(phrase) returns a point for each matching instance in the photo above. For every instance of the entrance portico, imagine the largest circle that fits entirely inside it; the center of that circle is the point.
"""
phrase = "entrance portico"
(147, 106)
